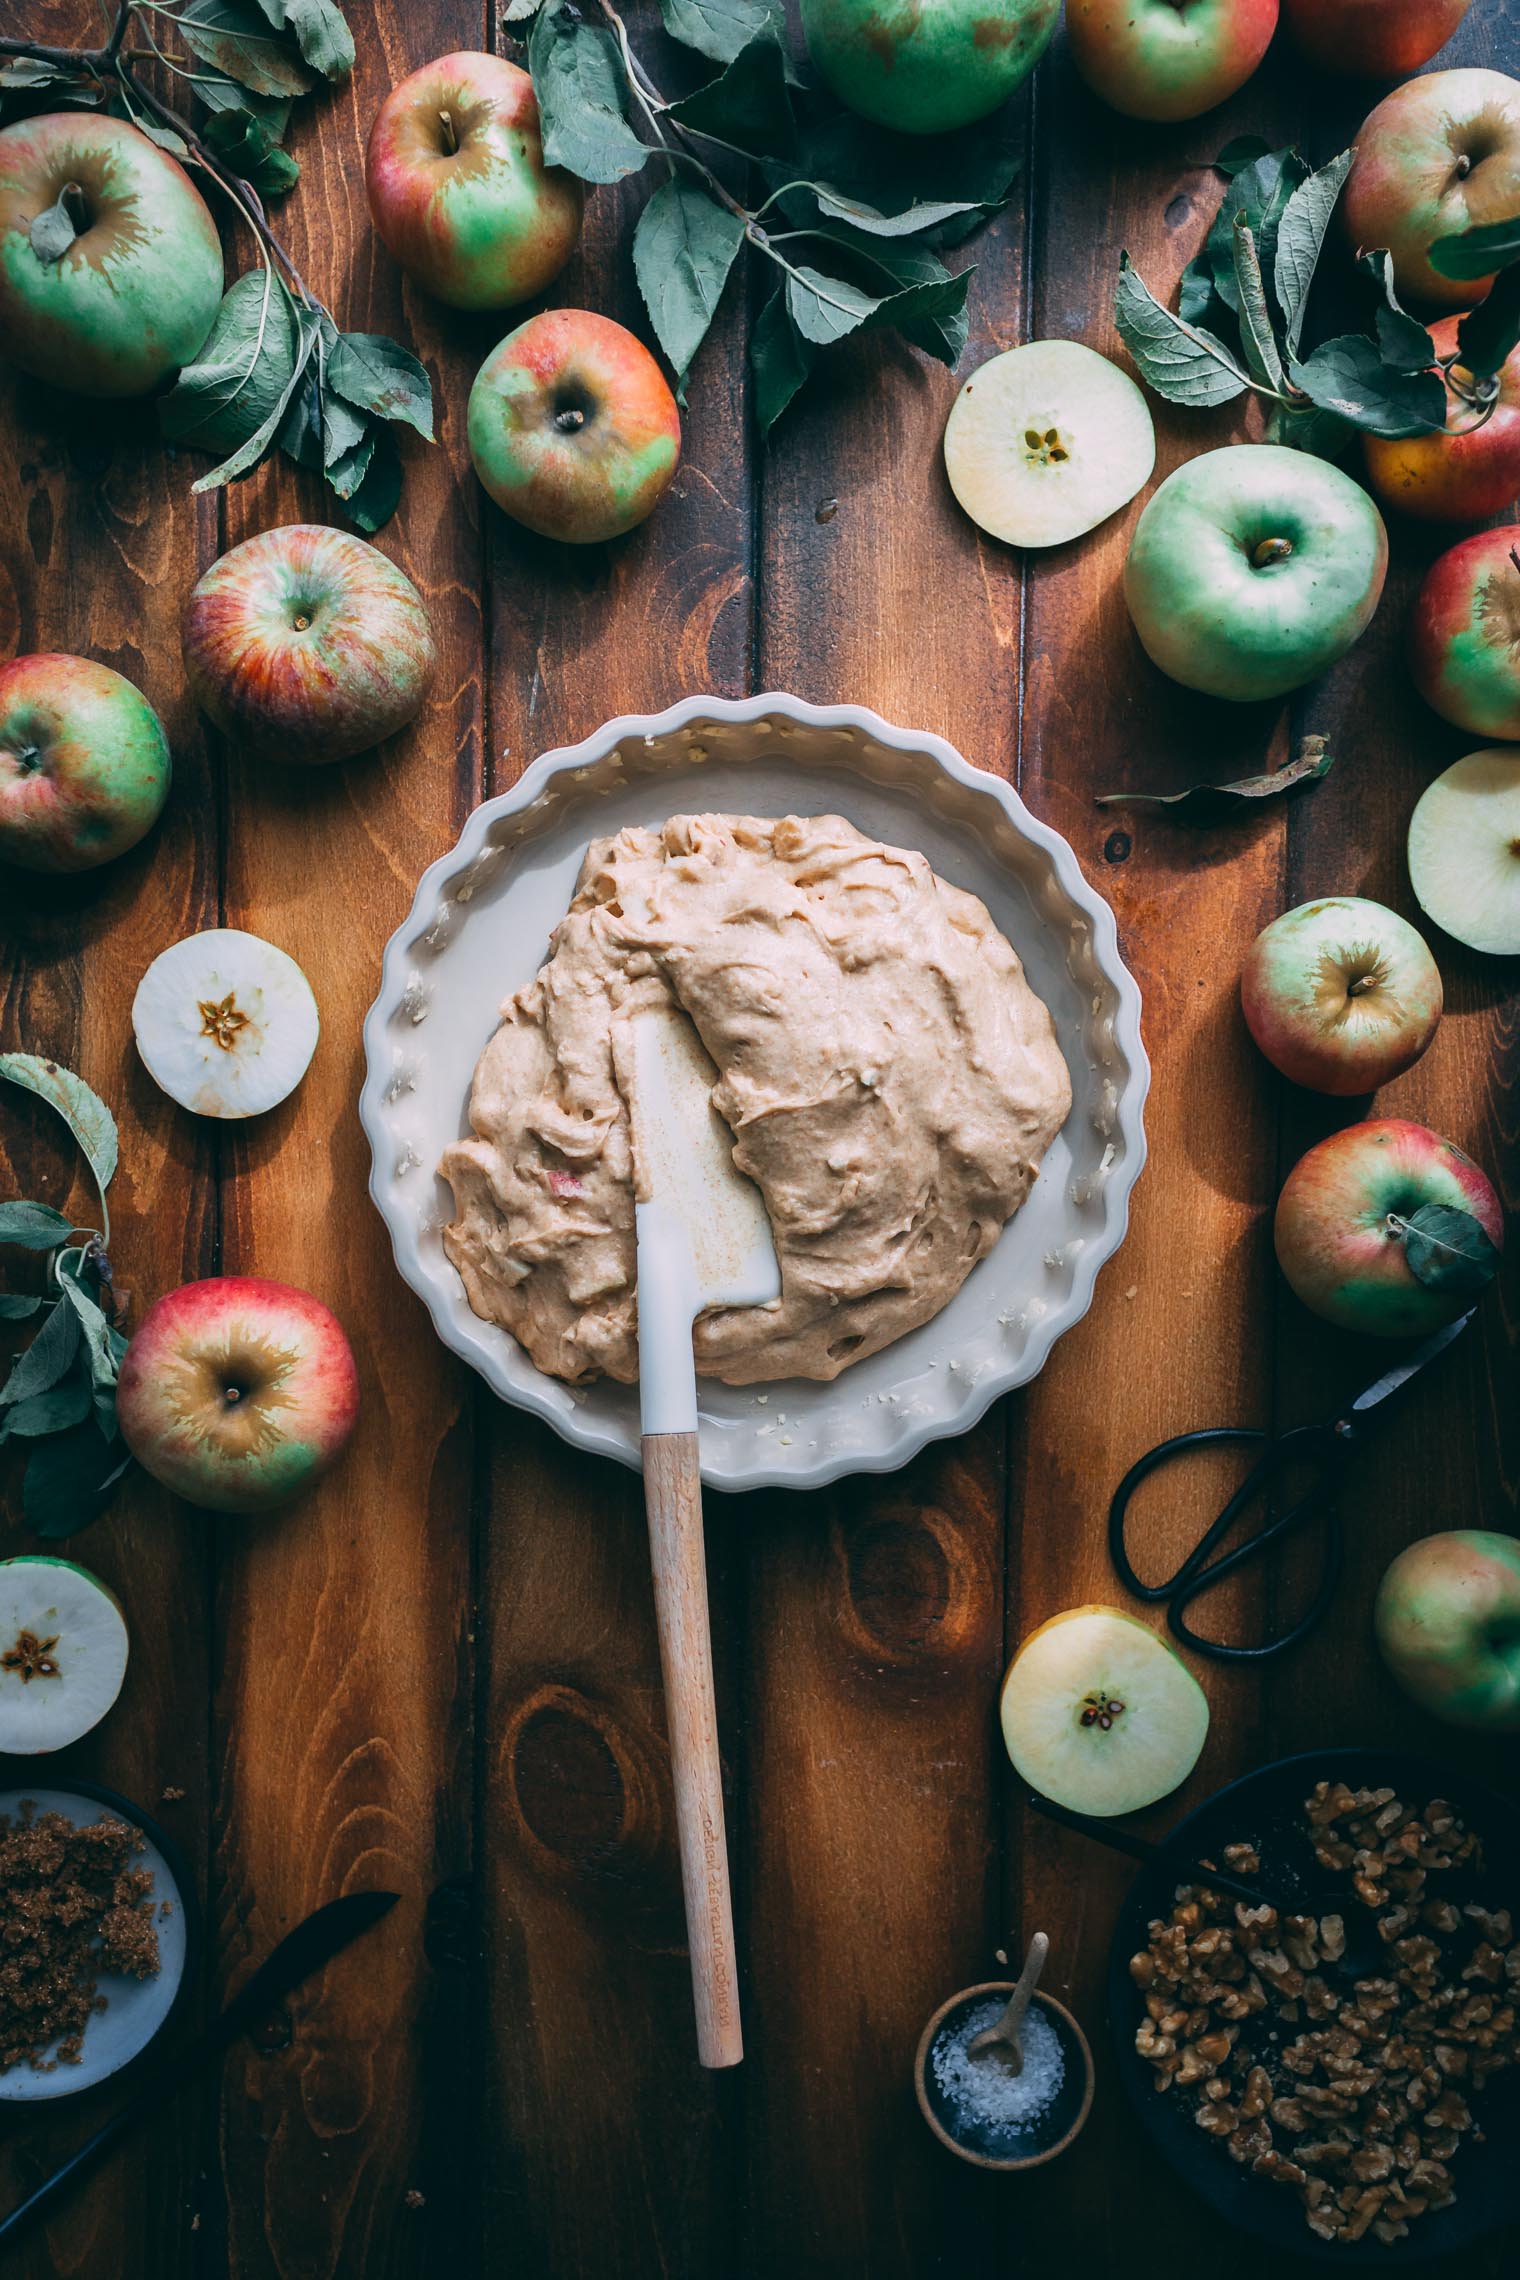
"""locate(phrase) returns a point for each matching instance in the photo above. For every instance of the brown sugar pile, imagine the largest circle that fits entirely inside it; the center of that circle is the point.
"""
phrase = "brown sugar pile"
(72, 1905)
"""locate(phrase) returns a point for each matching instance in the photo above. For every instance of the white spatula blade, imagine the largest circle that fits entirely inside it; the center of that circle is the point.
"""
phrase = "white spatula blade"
(684, 1161)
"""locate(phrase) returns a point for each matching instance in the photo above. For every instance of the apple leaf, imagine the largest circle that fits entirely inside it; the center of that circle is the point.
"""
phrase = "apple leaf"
(378, 376)
(1181, 361)
(1402, 340)
(1488, 335)
(578, 78)
(683, 249)
(1447, 1248)
(1256, 335)
(1471, 254)
(45, 1360)
(890, 174)
(34, 1226)
(1214, 803)
(747, 104)
(245, 144)
(63, 1405)
(17, 1306)
(1348, 376)
(719, 29)
(1241, 152)
(244, 369)
(1261, 190)
(931, 313)
(82, 1110)
(53, 231)
(25, 72)
(518, 11)
(69, 1479)
(238, 38)
(1300, 239)
(780, 360)
(825, 309)
(927, 214)
(252, 449)
(324, 39)
(379, 495)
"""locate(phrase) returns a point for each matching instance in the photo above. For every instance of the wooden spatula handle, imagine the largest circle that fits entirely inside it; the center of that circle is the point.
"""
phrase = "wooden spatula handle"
(673, 1496)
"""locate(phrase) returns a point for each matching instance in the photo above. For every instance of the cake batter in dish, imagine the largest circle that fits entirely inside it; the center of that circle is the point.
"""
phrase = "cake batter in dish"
(889, 1076)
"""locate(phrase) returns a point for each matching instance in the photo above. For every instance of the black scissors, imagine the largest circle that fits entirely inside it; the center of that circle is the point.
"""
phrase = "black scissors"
(1326, 1447)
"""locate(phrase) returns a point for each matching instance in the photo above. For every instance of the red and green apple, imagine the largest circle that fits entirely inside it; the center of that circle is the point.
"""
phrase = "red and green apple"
(110, 265)
(458, 188)
(1438, 156)
(1472, 471)
(306, 644)
(1168, 59)
(573, 429)
(1342, 1226)
(1373, 39)
(84, 763)
(1341, 994)
(1252, 569)
(238, 1394)
(1447, 1619)
(926, 69)
(1465, 633)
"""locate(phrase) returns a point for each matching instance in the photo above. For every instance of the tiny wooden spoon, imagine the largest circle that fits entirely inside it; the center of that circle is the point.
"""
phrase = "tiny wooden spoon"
(1002, 2036)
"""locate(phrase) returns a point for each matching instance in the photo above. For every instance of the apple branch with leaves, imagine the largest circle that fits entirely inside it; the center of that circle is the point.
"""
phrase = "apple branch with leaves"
(850, 220)
(276, 370)
(59, 1398)
(1241, 309)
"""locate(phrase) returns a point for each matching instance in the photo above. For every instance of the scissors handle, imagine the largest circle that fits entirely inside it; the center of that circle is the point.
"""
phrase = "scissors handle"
(1199, 1572)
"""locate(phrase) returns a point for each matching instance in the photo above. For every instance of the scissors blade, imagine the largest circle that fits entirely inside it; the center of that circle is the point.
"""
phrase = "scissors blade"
(1411, 1366)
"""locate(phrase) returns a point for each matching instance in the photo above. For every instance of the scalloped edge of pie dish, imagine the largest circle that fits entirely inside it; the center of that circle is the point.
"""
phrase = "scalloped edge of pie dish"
(424, 1033)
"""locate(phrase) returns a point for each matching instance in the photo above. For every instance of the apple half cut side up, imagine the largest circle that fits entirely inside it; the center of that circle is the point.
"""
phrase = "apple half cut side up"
(63, 1653)
(1100, 1714)
(1046, 442)
(1464, 851)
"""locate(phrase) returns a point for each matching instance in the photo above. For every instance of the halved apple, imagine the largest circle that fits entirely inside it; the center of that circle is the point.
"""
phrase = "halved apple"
(1046, 441)
(1099, 1714)
(1464, 851)
(63, 1652)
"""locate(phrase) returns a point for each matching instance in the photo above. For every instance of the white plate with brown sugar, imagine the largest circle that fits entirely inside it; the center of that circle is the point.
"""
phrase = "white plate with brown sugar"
(479, 929)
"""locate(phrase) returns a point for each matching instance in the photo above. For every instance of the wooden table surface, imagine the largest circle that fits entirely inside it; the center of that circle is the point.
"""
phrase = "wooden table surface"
(440, 1673)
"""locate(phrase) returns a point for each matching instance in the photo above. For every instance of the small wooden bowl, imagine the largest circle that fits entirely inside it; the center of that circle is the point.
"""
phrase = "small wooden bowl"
(1051, 2132)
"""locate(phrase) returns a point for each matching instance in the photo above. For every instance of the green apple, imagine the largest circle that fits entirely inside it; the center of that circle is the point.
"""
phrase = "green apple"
(926, 66)
(1254, 568)
(110, 265)
(1100, 1714)
(1447, 1618)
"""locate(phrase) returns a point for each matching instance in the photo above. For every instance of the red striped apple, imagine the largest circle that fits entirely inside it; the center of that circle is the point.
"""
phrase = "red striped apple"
(1341, 994)
(1447, 1618)
(1374, 39)
(1342, 1226)
(1438, 156)
(306, 644)
(84, 764)
(458, 188)
(1168, 59)
(237, 1393)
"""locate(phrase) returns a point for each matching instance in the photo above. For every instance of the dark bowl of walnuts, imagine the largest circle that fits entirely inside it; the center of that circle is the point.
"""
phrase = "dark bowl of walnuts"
(1335, 2070)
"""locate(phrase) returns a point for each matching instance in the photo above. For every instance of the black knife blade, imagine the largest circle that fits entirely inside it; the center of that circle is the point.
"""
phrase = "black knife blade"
(302, 1952)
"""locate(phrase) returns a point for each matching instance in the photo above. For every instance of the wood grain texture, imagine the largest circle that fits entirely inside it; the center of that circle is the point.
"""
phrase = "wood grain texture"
(442, 1673)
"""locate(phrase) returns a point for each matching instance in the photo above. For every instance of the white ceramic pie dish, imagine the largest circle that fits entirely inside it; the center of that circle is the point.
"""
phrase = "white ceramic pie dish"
(479, 928)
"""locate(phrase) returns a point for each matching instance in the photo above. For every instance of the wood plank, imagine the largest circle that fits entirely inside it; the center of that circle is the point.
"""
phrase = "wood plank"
(101, 532)
(343, 1649)
(874, 1612)
(1175, 1338)
(612, 2152)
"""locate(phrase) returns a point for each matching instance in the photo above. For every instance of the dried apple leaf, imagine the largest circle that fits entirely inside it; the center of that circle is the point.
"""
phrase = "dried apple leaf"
(1447, 1249)
(1214, 803)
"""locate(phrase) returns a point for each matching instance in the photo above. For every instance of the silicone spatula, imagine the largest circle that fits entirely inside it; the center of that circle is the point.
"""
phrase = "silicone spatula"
(703, 1240)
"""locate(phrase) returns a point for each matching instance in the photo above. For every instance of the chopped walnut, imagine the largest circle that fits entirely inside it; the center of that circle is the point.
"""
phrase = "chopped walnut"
(1354, 2095)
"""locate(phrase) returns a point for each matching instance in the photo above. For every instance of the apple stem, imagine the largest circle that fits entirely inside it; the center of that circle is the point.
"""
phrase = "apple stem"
(450, 138)
(570, 420)
(1362, 984)
(1269, 551)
